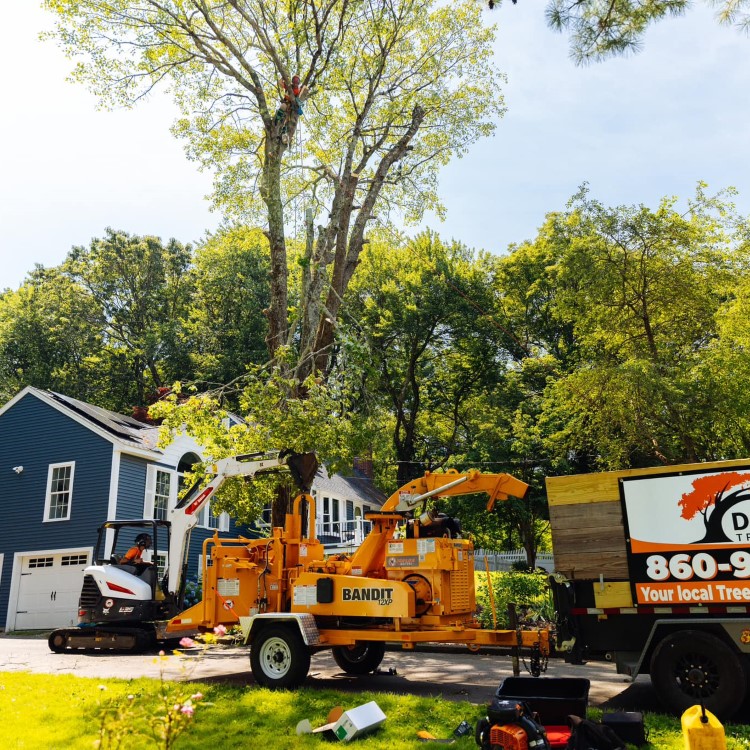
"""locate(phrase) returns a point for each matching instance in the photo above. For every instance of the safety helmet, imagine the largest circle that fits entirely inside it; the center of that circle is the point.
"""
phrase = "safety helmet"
(295, 79)
(145, 540)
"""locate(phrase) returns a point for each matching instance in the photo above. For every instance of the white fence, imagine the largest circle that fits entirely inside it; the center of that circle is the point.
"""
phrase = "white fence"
(504, 560)
(346, 536)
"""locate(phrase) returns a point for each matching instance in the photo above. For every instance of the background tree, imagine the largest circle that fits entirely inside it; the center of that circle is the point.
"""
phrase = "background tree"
(643, 289)
(46, 339)
(225, 328)
(603, 29)
(140, 292)
(394, 90)
(422, 334)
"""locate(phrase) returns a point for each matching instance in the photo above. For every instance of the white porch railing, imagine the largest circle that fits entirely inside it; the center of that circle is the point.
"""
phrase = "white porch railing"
(349, 534)
(504, 560)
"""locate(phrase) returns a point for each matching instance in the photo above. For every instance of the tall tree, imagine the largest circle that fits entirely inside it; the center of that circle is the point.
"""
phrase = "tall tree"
(391, 91)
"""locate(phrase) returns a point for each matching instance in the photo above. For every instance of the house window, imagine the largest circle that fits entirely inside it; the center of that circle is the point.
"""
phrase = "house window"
(59, 492)
(75, 560)
(161, 495)
(40, 562)
(208, 520)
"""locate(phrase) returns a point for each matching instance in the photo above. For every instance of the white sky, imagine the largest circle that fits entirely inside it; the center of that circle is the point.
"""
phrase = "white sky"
(636, 129)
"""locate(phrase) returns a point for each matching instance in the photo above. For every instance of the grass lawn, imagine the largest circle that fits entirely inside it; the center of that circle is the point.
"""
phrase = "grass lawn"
(63, 712)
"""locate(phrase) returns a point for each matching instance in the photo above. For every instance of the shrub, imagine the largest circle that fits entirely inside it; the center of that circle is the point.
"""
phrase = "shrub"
(529, 591)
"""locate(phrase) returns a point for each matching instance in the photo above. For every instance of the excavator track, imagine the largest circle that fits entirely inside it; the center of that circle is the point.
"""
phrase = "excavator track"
(133, 640)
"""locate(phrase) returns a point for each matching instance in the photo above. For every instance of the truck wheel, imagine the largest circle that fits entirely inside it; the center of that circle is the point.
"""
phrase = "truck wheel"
(279, 658)
(57, 641)
(693, 666)
(360, 658)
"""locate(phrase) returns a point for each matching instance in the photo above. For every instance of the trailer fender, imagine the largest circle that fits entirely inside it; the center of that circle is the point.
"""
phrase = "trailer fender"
(734, 632)
(308, 629)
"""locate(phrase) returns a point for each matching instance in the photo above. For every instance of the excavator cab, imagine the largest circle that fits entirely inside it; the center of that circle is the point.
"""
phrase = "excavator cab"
(117, 537)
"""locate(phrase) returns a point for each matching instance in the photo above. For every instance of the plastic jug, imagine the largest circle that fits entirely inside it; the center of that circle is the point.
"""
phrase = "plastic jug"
(702, 730)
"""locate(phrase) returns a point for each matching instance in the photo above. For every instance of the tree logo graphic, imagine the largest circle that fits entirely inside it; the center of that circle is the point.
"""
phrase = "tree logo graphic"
(714, 496)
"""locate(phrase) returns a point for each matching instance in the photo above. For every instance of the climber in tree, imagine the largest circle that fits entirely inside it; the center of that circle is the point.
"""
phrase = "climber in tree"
(292, 99)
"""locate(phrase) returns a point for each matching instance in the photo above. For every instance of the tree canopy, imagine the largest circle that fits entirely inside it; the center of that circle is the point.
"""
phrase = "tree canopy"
(390, 92)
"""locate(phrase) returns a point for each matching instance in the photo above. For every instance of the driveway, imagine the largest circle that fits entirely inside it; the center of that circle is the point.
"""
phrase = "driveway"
(453, 673)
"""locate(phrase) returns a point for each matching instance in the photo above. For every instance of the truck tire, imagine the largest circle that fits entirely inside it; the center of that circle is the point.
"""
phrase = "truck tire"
(693, 666)
(57, 641)
(361, 658)
(279, 658)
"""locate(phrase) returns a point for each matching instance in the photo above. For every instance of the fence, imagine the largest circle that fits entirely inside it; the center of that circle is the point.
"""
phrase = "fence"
(504, 560)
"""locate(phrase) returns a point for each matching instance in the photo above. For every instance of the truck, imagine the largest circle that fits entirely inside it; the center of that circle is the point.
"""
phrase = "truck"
(411, 581)
(652, 569)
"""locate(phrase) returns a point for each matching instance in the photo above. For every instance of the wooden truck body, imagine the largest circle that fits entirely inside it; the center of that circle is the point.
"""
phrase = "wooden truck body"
(652, 567)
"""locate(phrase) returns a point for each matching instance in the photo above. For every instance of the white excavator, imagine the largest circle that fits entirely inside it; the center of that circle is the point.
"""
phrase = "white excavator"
(126, 604)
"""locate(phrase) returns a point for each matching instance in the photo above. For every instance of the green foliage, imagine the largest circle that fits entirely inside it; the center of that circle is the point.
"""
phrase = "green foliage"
(104, 326)
(643, 290)
(422, 336)
(528, 590)
(393, 91)
(141, 291)
(600, 30)
(275, 418)
(225, 328)
(46, 336)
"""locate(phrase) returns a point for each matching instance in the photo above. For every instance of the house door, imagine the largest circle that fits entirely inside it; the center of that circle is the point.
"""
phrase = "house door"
(49, 589)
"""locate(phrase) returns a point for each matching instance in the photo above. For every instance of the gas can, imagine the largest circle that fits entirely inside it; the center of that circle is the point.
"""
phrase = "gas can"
(702, 730)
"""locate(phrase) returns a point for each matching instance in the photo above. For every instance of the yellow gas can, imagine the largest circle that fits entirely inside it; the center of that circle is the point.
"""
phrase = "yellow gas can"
(702, 730)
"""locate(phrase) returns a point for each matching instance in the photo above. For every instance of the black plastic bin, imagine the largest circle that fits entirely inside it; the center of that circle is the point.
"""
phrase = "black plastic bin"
(553, 698)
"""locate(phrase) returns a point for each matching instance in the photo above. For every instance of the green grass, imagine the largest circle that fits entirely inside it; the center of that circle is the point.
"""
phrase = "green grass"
(63, 712)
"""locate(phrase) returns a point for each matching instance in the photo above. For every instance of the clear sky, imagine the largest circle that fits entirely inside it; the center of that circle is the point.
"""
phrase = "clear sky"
(635, 128)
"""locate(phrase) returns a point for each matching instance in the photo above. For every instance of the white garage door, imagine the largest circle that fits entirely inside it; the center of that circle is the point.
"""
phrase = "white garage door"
(49, 589)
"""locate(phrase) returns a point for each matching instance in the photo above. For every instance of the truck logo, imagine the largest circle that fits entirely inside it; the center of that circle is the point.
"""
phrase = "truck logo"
(125, 610)
(714, 515)
(383, 596)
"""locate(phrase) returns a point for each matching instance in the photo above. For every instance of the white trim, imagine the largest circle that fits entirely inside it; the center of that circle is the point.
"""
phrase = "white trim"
(47, 399)
(114, 484)
(15, 577)
(48, 493)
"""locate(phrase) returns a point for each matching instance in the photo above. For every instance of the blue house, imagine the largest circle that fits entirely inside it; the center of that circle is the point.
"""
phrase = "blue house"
(66, 467)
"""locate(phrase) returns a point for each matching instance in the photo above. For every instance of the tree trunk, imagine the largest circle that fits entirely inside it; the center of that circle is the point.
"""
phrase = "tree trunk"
(271, 194)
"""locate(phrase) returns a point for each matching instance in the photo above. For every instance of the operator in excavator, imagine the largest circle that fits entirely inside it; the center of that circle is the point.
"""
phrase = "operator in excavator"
(134, 556)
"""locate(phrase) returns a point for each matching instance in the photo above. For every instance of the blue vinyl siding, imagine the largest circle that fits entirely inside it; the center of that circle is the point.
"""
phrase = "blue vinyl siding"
(131, 488)
(35, 435)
